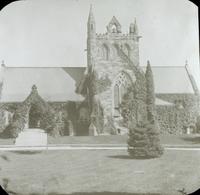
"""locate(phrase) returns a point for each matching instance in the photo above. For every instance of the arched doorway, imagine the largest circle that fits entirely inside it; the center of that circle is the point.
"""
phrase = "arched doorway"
(35, 115)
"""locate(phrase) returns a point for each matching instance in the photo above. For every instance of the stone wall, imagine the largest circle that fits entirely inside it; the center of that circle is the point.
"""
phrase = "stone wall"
(114, 42)
(112, 67)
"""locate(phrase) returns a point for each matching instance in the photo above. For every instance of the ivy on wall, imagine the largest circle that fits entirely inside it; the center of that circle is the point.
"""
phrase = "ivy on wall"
(1, 87)
(98, 85)
(175, 119)
(95, 86)
(18, 121)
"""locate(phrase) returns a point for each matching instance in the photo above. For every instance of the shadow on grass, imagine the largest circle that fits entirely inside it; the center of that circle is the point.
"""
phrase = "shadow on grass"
(194, 140)
(120, 157)
(129, 157)
(102, 193)
(4, 157)
(94, 193)
(26, 152)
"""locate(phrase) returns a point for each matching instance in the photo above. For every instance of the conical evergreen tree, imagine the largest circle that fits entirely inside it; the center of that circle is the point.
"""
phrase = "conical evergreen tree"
(150, 99)
(143, 141)
(138, 141)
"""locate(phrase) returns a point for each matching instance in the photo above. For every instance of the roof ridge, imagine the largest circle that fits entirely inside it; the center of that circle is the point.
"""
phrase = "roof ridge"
(192, 80)
(166, 66)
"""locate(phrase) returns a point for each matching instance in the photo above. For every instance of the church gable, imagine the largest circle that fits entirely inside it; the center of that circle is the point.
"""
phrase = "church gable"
(114, 26)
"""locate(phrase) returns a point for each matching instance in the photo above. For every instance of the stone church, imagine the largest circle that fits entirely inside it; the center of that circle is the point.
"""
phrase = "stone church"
(114, 58)
(85, 98)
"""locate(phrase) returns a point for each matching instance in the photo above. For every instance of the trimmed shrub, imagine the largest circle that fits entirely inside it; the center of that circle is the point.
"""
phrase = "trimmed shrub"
(143, 141)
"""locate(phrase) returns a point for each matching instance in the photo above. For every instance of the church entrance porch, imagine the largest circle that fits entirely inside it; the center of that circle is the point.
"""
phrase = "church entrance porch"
(83, 122)
(34, 116)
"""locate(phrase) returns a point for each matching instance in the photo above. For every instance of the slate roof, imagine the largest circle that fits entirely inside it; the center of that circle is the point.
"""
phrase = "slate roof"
(60, 83)
(172, 79)
(53, 84)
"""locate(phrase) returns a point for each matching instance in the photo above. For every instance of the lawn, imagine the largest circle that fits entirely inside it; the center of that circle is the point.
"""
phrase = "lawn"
(98, 171)
(122, 139)
(103, 139)
(115, 139)
(9, 141)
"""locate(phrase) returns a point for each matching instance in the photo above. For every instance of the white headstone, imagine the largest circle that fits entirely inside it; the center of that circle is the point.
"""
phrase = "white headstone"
(188, 130)
(92, 130)
(31, 137)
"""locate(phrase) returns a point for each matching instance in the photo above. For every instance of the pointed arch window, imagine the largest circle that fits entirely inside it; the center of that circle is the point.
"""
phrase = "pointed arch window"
(127, 50)
(92, 26)
(115, 51)
(121, 85)
(105, 52)
(114, 28)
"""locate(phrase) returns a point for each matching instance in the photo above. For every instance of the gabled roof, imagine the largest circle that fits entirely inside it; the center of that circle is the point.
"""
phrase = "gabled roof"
(60, 83)
(172, 79)
(114, 21)
(53, 84)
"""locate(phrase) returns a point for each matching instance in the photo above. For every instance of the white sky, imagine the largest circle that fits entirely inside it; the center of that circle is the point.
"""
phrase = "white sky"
(54, 32)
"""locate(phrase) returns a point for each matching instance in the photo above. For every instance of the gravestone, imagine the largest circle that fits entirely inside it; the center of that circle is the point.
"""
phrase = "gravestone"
(31, 137)
(92, 130)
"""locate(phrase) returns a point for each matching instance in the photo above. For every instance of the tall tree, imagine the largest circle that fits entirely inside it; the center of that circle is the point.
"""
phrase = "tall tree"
(150, 98)
(143, 140)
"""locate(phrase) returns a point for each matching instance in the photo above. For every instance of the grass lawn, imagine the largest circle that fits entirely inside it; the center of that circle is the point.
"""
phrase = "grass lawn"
(98, 171)
(122, 139)
(114, 139)
(9, 141)
(104, 139)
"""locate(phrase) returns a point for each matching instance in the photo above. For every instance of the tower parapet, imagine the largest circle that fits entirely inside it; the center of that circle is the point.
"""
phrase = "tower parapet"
(101, 47)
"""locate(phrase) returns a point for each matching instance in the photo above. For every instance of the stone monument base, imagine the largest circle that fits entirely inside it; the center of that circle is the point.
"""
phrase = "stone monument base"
(31, 137)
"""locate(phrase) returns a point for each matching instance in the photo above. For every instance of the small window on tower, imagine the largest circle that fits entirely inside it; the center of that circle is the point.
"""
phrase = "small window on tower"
(114, 28)
(105, 52)
(91, 26)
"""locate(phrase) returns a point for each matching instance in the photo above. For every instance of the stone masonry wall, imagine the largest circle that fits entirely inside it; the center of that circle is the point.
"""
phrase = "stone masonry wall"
(114, 65)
